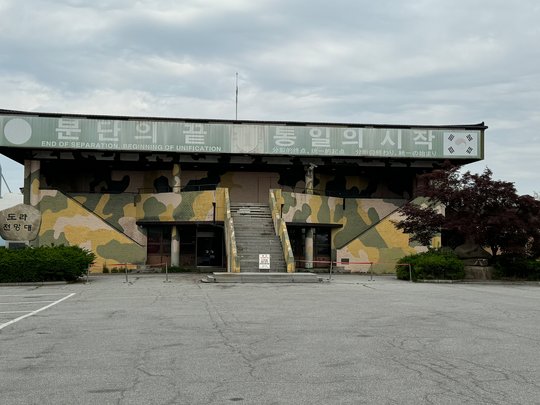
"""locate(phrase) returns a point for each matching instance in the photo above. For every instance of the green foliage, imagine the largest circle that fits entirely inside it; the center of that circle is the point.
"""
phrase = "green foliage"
(517, 268)
(431, 265)
(176, 269)
(121, 269)
(45, 263)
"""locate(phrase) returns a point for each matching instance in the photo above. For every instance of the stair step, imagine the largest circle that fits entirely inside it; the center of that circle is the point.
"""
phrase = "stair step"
(255, 234)
(263, 277)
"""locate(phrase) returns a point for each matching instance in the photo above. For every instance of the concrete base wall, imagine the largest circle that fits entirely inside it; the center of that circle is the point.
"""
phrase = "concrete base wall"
(478, 272)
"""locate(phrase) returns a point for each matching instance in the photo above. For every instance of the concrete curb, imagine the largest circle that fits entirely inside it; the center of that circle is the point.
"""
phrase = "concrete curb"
(34, 284)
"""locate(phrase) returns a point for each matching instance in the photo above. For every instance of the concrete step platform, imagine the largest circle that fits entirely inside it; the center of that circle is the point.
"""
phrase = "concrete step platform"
(253, 277)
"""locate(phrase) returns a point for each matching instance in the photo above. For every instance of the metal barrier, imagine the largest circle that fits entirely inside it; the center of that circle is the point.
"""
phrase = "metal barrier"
(334, 262)
(370, 271)
(177, 189)
(410, 269)
(127, 270)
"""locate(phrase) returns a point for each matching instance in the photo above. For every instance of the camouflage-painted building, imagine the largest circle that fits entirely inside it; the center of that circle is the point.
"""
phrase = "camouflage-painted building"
(143, 191)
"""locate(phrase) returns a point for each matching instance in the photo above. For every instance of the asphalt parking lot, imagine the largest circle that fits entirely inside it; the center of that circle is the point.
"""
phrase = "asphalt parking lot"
(351, 341)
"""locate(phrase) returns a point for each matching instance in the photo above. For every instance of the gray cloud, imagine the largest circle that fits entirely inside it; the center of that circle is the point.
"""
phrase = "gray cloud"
(419, 62)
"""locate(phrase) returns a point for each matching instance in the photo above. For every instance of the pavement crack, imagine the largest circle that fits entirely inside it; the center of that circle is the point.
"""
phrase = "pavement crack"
(221, 327)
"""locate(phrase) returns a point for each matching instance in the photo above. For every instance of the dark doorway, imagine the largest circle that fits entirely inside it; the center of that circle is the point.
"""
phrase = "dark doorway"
(321, 245)
(200, 245)
(158, 246)
(209, 246)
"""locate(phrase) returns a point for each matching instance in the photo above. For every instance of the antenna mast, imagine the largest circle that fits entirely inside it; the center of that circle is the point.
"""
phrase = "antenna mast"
(236, 114)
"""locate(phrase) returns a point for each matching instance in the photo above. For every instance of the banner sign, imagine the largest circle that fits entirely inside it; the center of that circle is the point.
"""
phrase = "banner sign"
(242, 138)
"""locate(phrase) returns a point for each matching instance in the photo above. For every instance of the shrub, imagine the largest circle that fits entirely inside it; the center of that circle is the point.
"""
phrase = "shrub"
(431, 265)
(516, 267)
(176, 269)
(45, 263)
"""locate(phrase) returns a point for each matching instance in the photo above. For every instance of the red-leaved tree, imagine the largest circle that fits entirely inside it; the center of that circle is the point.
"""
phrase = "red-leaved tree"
(476, 208)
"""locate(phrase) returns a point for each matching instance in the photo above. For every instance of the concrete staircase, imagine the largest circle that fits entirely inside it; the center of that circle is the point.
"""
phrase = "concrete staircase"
(255, 234)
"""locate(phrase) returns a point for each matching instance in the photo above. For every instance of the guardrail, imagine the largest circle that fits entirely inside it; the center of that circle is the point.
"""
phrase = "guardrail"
(129, 267)
(177, 189)
(334, 262)
(369, 271)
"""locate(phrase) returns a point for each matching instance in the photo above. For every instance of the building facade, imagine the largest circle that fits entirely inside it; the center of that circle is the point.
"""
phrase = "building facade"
(148, 191)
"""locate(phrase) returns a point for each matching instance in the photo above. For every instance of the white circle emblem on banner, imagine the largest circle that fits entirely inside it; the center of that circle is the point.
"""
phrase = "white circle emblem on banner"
(17, 131)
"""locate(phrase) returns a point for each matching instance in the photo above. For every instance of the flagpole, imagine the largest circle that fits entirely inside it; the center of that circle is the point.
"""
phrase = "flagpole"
(236, 115)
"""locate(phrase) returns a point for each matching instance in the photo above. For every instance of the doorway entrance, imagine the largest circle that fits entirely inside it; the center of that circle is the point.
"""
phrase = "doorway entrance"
(209, 246)
(158, 245)
(201, 245)
(322, 242)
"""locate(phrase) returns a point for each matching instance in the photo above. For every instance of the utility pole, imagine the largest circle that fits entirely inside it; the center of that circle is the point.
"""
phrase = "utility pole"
(4, 179)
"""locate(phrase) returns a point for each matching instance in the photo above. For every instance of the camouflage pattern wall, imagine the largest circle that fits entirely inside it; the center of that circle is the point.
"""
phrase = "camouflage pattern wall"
(66, 221)
(107, 223)
(366, 231)
(106, 209)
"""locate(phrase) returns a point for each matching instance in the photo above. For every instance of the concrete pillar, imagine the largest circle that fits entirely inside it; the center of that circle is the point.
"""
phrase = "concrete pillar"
(177, 179)
(175, 246)
(308, 248)
(175, 234)
(310, 178)
(32, 183)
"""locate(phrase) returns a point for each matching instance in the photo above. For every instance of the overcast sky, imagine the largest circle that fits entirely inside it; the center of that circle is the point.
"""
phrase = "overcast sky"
(364, 61)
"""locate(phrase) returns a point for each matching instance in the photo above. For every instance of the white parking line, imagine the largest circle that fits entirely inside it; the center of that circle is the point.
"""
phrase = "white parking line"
(25, 302)
(14, 312)
(30, 294)
(3, 325)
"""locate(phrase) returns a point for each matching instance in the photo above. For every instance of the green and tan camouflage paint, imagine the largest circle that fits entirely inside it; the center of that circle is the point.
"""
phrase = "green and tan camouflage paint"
(281, 229)
(367, 232)
(117, 210)
(66, 221)
(106, 222)
(178, 207)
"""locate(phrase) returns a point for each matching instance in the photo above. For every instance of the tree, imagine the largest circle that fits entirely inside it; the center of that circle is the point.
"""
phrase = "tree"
(477, 208)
